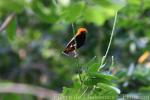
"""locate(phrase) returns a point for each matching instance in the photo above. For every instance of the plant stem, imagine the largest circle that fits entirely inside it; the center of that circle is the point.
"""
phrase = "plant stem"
(7, 21)
(110, 41)
(84, 91)
(104, 57)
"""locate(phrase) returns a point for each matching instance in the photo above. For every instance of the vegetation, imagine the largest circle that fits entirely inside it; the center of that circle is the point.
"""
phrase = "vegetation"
(113, 63)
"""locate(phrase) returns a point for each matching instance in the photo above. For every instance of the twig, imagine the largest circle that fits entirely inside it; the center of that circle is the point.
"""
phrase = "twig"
(7, 21)
(110, 41)
(27, 89)
(84, 91)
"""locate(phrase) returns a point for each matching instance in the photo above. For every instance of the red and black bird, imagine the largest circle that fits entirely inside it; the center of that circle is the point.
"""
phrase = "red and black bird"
(76, 42)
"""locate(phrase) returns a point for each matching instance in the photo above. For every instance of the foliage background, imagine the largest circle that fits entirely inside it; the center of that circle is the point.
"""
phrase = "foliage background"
(31, 44)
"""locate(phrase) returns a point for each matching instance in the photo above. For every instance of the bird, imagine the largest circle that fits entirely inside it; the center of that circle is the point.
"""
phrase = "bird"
(76, 42)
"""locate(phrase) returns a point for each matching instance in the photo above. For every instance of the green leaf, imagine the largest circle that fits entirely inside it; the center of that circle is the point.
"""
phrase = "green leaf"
(111, 4)
(90, 81)
(91, 62)
(94, 78)
(103, 91)
(12, 5)
(94, 14)
(94, 67)
(102, 76)
(72, 91)
(11, 30)
(111, 90)
(103, 2)
(46, 14)
(145, 89)
(146, 4)
(11, 97)
(73, 12)
(134, 2)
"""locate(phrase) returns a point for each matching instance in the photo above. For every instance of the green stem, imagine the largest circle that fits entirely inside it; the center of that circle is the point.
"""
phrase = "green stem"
(73, 28)
(84, 91)
(110, 41)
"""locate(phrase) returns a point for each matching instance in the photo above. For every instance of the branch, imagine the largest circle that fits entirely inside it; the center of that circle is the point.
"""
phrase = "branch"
(27, 89)
(7, 21)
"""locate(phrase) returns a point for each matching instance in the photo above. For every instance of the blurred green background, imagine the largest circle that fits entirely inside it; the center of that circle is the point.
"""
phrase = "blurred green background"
(38, 30)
